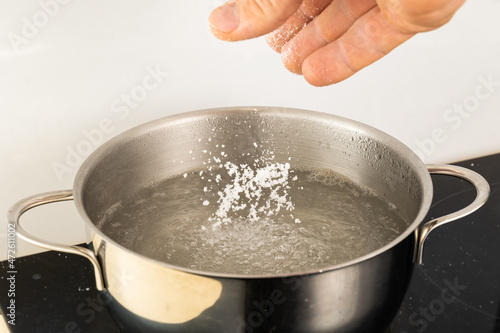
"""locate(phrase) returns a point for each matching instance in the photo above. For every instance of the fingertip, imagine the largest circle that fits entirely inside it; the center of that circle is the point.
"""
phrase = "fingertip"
(317, 75)
(314, 82)
(224, 19)
(240, 20)
(290, 56)
(273, 42)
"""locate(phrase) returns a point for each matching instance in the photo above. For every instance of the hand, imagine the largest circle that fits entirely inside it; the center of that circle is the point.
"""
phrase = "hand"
(327, 41)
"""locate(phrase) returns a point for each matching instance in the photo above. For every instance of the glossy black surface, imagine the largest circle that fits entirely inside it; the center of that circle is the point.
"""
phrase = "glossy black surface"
(458, 287)
(456, 290)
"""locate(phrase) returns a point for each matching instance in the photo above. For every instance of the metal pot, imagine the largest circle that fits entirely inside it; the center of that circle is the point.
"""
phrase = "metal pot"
(359, 295)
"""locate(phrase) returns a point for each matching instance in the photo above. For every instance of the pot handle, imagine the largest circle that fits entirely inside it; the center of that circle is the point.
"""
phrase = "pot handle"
(26, 204)
(482, 189)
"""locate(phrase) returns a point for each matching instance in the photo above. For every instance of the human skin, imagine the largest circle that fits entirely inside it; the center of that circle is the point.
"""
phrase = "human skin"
(327, 41)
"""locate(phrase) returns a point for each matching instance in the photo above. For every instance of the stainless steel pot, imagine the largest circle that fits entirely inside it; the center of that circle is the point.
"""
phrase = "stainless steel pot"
(360, 295)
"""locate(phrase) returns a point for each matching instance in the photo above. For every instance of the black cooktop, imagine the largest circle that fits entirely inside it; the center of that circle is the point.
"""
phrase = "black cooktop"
(456, 290)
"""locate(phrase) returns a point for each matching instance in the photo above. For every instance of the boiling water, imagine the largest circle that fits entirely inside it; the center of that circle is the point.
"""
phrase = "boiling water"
(309, 220)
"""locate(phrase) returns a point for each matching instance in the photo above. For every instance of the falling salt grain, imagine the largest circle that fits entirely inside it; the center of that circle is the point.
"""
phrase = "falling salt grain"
(185, 175)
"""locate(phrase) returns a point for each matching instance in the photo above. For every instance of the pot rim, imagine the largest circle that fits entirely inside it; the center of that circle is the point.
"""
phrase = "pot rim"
(402, 149)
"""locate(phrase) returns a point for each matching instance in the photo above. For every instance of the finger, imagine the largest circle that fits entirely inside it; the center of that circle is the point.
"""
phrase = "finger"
(419, 16)
(332, 23)
(369, 39)
(244, 19)
(307, 11)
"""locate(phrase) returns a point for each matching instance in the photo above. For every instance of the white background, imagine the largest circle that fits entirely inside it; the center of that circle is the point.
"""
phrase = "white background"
(66, 68)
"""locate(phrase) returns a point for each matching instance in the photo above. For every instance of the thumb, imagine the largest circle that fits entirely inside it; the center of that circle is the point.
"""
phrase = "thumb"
(244, 19)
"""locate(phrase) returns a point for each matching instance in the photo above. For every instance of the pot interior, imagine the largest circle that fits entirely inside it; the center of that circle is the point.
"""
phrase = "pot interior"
(199, 145)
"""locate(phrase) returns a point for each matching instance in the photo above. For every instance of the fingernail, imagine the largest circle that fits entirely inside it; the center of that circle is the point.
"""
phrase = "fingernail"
(225, 18)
